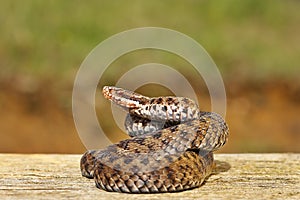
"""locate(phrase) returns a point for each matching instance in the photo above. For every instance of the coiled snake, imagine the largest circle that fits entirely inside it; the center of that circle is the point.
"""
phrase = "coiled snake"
(170, 148)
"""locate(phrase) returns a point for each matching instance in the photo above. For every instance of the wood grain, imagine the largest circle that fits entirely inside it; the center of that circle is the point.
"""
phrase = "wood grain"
(236, 176)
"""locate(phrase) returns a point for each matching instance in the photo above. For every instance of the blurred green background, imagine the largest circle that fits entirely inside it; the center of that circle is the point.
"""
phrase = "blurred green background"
(254, 43)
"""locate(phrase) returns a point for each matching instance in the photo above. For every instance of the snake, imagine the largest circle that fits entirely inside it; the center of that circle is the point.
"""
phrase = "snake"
(170, 148)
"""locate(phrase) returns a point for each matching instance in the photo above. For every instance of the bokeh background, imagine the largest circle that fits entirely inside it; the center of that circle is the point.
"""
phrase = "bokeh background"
(255, 44)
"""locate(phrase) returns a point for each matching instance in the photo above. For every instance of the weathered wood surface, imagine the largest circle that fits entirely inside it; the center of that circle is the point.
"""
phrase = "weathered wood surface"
(237, 176)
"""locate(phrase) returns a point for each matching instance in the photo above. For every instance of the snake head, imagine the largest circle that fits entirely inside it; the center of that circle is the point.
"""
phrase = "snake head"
(124, 98)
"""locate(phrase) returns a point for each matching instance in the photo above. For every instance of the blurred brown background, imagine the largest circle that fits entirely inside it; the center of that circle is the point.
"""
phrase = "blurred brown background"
(254, 43)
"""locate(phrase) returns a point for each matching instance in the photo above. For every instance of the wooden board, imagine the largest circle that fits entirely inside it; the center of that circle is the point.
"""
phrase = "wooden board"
(237, 176)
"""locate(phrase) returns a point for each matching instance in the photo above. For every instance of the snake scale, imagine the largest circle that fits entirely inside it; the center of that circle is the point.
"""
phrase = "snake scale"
(170, 149)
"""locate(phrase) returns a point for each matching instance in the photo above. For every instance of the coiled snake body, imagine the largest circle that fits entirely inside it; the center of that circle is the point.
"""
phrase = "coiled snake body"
(170, 148)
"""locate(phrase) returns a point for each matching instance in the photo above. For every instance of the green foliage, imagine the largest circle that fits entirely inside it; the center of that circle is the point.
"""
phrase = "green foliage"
(243, 36)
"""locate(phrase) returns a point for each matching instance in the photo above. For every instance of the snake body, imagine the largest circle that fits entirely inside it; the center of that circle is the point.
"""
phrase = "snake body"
(170, 149)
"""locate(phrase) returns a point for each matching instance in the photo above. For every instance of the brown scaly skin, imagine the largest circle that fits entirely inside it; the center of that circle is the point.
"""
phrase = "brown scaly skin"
(175, 158)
